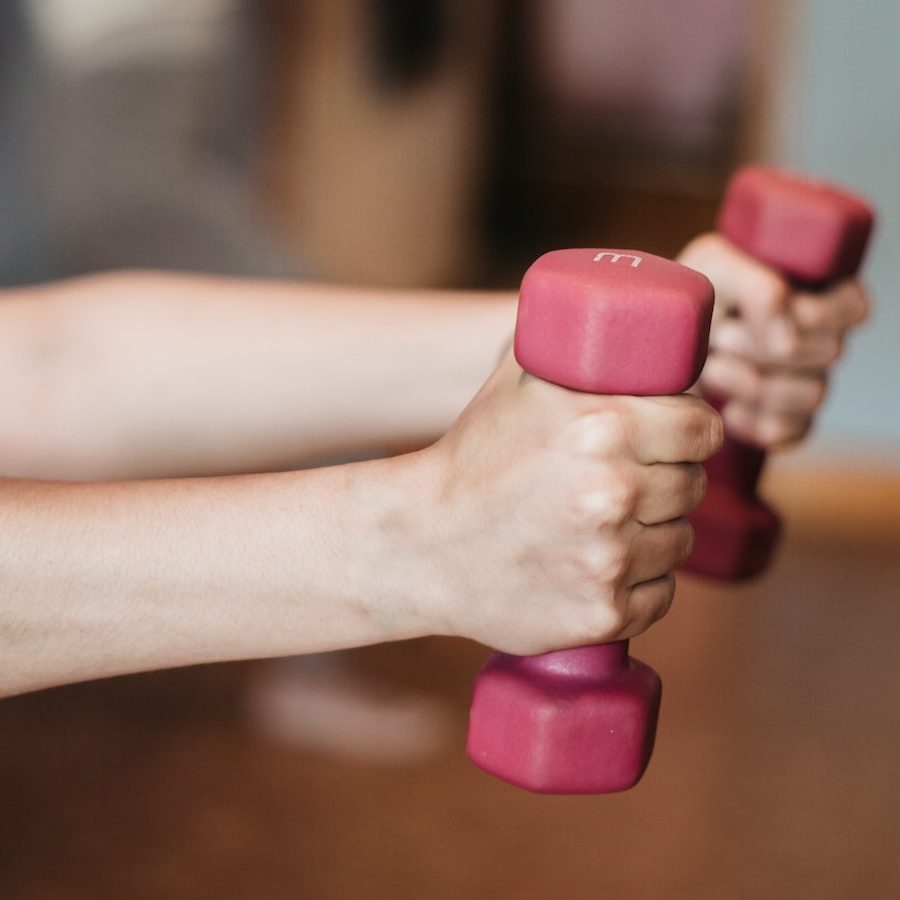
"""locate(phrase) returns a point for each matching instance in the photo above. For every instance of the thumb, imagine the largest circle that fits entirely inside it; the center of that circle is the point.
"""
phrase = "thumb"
(749, 295)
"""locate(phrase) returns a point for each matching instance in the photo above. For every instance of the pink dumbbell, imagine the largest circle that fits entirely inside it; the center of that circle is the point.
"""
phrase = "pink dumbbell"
(606, 322)
(813, 234)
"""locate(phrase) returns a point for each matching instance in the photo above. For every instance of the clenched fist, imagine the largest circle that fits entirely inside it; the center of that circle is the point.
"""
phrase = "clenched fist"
(772, 347)
(558, 515)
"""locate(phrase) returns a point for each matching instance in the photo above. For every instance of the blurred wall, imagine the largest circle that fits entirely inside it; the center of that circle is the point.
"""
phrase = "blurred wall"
(660, 70)
(128, 138)
(837, 114)
(384, 115)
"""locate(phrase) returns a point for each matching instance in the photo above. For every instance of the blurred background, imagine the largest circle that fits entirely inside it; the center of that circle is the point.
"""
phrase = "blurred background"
(437, 143)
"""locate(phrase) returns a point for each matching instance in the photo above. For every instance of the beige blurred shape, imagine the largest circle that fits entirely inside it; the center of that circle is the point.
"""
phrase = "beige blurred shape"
(375, 185)
(88, 34)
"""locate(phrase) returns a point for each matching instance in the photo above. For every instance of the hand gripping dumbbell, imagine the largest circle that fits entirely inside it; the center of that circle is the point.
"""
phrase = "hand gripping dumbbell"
(813, 234)
(604, 322)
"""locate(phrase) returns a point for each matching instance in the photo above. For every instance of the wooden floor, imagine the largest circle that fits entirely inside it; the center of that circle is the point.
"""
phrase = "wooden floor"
(776, 775)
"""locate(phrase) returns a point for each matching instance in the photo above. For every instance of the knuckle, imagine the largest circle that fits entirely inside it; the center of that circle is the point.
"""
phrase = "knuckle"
(622, 493)
(623, 427)
(600, 433)
(771, 291)
(610, 499)
(604, 564)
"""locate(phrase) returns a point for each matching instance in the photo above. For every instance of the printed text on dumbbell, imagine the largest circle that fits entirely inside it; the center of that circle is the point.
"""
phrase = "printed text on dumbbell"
(615, 257)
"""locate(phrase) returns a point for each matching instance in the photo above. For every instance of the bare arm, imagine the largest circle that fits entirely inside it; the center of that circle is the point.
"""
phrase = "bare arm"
(544, 518)
(139, 374)
(105, 578)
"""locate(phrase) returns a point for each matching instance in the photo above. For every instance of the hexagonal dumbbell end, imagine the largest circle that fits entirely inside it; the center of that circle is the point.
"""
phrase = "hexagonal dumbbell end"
(612, 322)
(813, 233)
(810, 231)
(573, 722)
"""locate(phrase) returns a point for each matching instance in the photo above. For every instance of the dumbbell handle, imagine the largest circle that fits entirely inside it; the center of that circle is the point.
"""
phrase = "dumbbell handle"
(738, 465)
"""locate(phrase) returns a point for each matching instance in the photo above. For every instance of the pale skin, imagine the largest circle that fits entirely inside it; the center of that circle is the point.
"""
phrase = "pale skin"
(543, 518)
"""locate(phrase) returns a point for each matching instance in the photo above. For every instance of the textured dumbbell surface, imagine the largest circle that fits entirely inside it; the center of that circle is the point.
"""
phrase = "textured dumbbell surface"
(810, 231)
(613, 322)
(573, 722)
(600, 321)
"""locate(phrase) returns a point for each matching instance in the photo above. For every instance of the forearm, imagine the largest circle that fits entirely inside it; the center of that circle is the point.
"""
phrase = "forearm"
(140, 374)
(533, 524)
(107, 578)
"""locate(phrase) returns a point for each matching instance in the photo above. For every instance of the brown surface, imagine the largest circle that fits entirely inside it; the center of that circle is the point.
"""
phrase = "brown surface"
(371, 184)
(776, 773)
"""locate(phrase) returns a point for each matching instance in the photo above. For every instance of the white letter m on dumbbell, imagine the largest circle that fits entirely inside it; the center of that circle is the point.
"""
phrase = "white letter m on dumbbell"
(615, 257)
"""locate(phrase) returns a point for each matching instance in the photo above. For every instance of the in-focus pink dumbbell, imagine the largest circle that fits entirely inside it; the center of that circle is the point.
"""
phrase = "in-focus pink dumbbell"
(814, 234)
(605, 322)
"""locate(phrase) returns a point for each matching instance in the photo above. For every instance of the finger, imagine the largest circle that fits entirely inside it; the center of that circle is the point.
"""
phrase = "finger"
(765, 429)
(667, 491)
(804, 351)
(793, 393)
(732, 376)
(779, 391)
(837, 309)
(732, 336)
(670, 429)
(658, 549)
(815, 352)
(779, 341)
(648, 602)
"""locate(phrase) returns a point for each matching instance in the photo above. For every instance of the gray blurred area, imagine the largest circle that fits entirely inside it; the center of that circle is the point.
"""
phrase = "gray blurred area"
(113, 154)
(838, 115)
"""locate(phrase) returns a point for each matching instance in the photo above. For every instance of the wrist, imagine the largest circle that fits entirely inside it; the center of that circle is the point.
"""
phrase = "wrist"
(393, 537)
